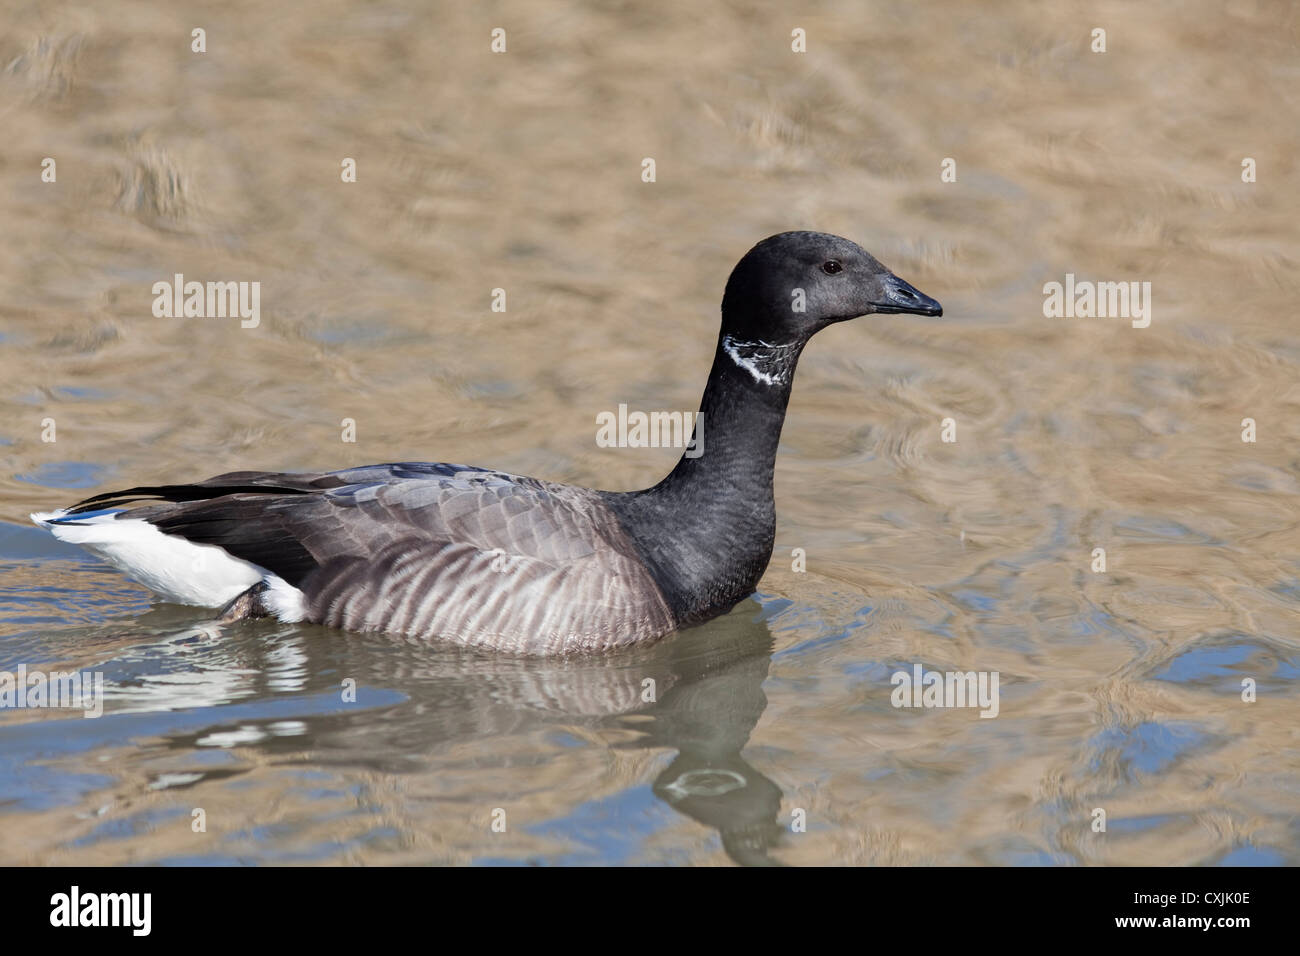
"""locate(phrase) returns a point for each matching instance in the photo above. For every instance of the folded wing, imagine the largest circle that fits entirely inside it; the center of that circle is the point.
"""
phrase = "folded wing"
(430, 550)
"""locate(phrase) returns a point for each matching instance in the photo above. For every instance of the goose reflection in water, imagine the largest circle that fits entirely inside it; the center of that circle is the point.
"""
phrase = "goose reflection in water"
(271, 695)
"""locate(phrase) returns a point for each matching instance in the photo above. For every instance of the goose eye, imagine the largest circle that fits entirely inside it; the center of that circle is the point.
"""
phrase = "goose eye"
(831, 266)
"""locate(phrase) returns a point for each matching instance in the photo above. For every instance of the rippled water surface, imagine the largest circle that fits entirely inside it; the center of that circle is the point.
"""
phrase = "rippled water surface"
(1120, 690)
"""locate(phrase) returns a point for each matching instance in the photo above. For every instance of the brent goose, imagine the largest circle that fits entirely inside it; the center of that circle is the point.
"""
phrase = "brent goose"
(475, 556)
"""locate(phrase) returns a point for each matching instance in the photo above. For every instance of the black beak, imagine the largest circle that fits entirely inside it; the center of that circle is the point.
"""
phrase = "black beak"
(902, 297)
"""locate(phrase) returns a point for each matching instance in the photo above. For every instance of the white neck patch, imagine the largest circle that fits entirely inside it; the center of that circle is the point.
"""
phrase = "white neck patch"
(768, 364)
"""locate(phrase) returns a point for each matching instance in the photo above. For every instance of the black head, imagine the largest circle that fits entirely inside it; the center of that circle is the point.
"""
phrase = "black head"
(792, 284)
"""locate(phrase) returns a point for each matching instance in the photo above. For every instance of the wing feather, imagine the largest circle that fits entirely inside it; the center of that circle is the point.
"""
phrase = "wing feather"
(468, 554)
